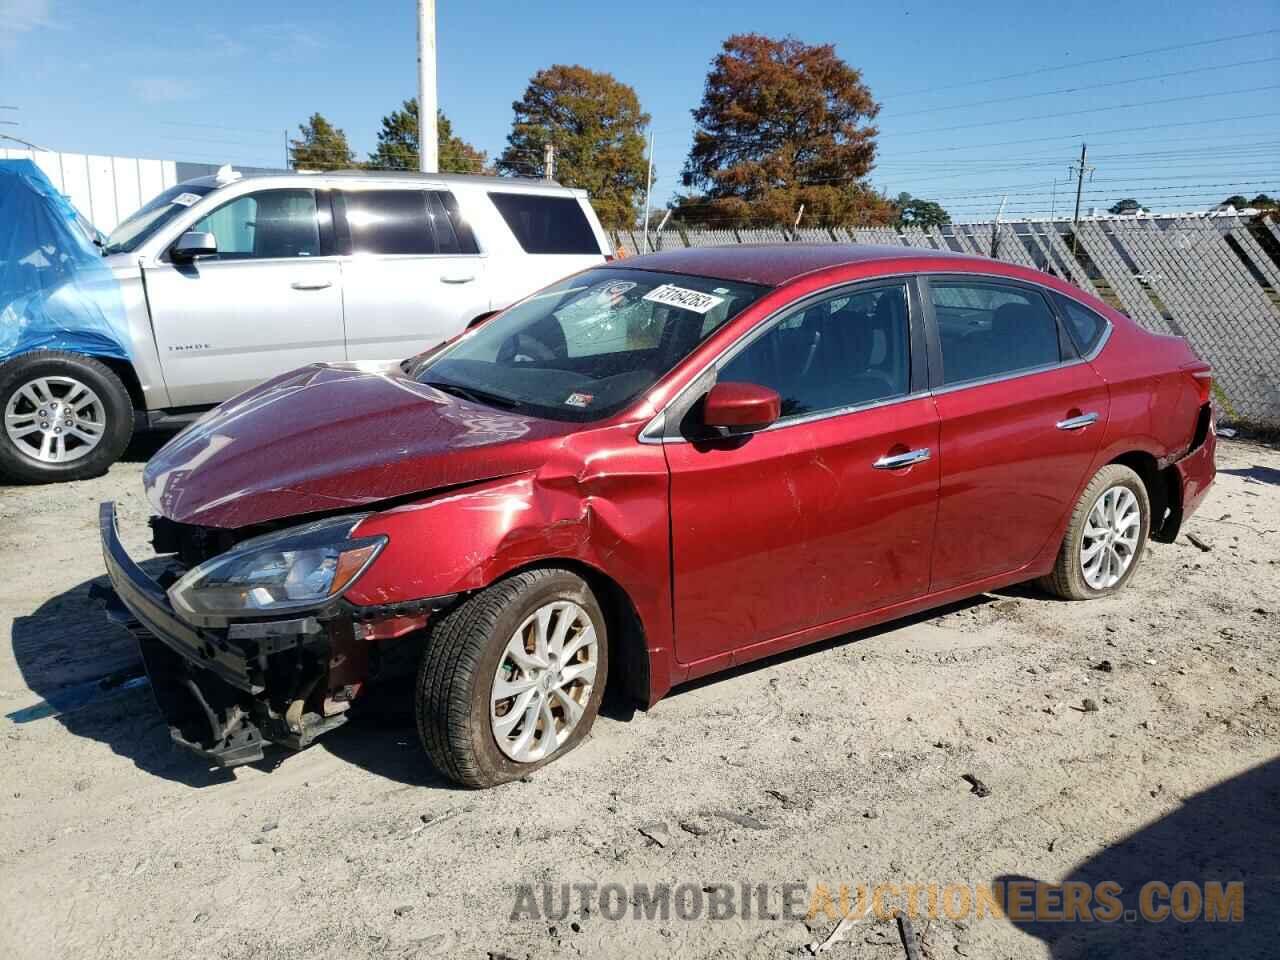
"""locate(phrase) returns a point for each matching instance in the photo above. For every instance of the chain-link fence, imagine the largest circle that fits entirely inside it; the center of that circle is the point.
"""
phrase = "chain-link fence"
(1214, 280)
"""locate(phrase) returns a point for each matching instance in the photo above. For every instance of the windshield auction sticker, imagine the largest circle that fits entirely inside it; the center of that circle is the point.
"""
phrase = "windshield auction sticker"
(186, 199)
(673, 296)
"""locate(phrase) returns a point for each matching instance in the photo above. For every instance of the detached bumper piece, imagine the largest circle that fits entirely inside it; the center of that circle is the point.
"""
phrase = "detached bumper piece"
(227, 692)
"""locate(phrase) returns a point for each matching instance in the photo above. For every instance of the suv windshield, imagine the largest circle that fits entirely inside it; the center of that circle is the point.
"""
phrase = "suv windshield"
(586, 347)
(162, 208)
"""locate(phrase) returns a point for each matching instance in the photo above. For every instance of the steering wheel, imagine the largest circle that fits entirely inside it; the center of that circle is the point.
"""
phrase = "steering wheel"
(521, 348)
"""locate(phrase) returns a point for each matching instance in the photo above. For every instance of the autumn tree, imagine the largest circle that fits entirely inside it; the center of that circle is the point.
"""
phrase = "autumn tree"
(597, 128)
(398, 144)
(781, 124)
(320, 146)
(918, 212)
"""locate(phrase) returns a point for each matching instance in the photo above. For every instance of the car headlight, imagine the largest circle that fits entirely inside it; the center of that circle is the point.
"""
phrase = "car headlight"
(292, 569)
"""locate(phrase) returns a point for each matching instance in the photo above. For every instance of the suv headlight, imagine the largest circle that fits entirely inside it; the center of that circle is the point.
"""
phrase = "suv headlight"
(292, 569)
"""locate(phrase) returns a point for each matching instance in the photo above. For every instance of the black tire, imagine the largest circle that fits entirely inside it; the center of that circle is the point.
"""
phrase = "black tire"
(17, 464)
(1067, 579)
(462, 654)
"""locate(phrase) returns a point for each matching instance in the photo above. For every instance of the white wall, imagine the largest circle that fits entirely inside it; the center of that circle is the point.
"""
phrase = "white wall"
(105, 189)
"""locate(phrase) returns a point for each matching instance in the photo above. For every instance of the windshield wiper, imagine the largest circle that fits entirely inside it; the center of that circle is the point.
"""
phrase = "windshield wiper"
(474, 395)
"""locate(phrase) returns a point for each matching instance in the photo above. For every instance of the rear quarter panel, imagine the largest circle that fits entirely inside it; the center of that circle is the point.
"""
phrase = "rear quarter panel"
(1154, 402)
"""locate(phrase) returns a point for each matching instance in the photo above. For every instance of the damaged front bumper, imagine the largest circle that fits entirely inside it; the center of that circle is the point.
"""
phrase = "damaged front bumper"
(226, 692)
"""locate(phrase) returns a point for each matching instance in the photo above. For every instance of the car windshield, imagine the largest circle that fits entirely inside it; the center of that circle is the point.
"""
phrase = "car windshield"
(162, 208)
(586, 347)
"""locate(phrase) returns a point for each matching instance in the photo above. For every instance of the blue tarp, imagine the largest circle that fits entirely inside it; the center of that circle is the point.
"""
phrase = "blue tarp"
(56, 292)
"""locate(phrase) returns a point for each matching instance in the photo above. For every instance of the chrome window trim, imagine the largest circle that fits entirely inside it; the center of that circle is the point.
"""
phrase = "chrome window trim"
(1011, 375)
(654, 431)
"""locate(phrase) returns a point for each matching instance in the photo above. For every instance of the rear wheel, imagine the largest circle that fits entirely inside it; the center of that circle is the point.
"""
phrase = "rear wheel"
(512, 678)
(1105, 538)
(66, 417)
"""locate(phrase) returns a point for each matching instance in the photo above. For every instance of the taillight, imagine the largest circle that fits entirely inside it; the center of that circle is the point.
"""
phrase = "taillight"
(1204, 380)
(608, 258)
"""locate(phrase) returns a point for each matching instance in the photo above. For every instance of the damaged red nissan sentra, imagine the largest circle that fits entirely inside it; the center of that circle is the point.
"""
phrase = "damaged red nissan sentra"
(649, 472)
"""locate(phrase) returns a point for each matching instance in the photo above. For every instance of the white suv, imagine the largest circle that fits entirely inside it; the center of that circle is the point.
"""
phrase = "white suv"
(227, 281)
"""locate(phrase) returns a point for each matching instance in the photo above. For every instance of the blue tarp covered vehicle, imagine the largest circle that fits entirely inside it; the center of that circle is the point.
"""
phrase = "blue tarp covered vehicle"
(56, 293)
(60, 307)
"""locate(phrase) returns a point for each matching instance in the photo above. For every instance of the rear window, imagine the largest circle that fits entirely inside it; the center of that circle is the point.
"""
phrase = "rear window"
(546, 224)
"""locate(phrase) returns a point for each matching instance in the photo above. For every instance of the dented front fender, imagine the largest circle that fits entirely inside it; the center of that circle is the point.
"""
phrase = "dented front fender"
(597, 502)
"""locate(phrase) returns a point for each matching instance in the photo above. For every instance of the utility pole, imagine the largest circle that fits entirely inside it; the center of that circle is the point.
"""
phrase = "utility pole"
(648, 190)
(428, 137)
(995, 228)
(549, 161)
(1081, 169)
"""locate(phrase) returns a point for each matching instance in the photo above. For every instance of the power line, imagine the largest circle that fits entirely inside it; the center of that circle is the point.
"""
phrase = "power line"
(1086, 63)
(1090, 86)
(1077, 113)
(1095, 133)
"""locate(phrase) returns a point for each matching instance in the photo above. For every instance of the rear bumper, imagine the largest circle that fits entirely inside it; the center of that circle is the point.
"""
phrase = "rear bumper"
(1196, 472)
(224, 696)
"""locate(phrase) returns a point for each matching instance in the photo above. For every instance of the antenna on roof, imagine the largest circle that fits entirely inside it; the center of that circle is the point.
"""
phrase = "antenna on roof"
(226, 175)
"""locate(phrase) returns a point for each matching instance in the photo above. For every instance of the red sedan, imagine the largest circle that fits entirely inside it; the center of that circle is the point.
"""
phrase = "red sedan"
(646, 473)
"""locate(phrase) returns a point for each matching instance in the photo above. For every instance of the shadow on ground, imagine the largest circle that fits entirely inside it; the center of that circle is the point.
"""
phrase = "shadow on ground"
(1230, 832)
(1261, 474)
(89, 675)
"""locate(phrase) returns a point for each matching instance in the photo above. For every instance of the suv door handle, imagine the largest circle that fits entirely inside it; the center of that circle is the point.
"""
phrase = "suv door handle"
(899, 460)
(311, 284)
(457, 278)
(1077, 423)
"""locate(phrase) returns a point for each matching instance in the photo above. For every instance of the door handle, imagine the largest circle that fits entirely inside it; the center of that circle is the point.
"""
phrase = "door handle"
(899, 460)
(457, 278)
(1077, 423)
(311, 284)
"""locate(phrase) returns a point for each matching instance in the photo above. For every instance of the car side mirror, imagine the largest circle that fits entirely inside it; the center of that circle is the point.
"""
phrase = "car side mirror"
(194, 244)
(741, 406)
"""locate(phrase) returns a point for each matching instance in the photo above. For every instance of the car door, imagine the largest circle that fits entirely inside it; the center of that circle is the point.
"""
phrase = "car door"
(412, 275)
(1022, 419)
(829, 512)
(268, 302)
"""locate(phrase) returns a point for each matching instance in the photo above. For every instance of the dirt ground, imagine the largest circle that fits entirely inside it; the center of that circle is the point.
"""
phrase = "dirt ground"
(840, 764)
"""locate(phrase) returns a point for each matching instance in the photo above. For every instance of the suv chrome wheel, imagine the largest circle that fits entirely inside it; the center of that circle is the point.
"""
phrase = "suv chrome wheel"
(1110, 540)
(55, 419)
(543, 681)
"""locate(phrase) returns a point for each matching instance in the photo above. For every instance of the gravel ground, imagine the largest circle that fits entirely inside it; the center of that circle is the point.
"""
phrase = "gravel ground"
(843, 763)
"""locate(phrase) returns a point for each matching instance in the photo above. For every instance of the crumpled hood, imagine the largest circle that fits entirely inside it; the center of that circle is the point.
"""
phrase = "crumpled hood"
(334, 436)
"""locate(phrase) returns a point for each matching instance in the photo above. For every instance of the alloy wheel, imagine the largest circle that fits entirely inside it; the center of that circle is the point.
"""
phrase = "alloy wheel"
(55, 419)
(1110, 541)
(543, 681)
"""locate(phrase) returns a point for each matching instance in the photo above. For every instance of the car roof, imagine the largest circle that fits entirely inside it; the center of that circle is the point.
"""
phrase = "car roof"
(530, 184)
(773, 264)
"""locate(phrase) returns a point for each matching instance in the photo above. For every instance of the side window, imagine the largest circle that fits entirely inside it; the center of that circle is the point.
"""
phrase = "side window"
(453, 233)
(546, 224)
(838, 352)
(389, 222)
(1085, 326)
(988, 330)
(268, 224)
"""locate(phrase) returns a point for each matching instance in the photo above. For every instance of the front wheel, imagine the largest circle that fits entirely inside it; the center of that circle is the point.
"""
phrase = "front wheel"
(1105, 538)
(66, 417)
(512, 678)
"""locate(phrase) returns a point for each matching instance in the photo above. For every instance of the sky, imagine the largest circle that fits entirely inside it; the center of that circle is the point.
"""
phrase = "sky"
(979, 102)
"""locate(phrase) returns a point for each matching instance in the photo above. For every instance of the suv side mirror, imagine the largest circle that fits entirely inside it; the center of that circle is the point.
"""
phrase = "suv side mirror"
(194, 244)
(741, 406)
